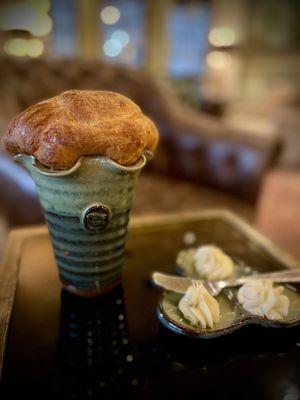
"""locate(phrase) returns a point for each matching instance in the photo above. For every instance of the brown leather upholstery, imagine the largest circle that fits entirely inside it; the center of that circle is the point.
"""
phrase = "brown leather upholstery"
(193, 147)
(18, 200)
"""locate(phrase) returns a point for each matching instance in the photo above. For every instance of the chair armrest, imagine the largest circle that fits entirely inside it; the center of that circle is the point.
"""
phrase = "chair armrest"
(203, 151)
(18, 198)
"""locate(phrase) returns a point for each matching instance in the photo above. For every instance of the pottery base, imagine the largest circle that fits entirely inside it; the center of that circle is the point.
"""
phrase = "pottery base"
(89, 293)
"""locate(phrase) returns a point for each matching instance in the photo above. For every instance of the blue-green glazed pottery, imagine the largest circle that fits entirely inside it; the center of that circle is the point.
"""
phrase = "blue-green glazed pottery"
(87, 210)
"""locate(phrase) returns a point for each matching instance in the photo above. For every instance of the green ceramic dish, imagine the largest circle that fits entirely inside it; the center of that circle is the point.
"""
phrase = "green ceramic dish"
(232, 315)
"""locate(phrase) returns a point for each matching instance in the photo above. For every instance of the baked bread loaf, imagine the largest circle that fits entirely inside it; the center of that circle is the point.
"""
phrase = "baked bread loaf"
(60, 130)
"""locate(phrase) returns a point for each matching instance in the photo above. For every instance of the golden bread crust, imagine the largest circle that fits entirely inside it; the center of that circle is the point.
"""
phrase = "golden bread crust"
(60, 130)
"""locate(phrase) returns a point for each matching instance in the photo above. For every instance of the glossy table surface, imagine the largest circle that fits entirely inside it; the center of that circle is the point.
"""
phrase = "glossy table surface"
(61, 346)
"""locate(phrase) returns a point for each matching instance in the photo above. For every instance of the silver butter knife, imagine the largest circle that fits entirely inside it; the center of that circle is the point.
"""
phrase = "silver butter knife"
(180, 284)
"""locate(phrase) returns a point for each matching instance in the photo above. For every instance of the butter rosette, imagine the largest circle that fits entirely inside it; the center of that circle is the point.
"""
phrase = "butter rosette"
(199, 307)
(260, 297)
(211, 263)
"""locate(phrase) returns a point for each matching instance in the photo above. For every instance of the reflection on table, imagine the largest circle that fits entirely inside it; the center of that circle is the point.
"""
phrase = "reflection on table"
(94, 355)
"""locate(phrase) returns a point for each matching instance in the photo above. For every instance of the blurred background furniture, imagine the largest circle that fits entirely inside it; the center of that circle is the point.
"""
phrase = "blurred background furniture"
(193, 147)
(278, 211)
(220, 78)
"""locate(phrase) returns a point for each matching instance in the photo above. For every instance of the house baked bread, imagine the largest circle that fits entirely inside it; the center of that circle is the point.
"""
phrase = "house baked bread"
(60, 130)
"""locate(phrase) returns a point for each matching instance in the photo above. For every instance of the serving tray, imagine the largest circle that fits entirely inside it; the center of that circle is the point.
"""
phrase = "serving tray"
(29, 280)
(252, 253)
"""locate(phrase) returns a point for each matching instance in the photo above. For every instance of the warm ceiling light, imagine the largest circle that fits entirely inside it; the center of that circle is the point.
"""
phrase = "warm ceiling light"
(217, 59)
(16, 47)
(42, 25)
(110, 15)
(41, 6)
(29, 15)
(21, 47)
(35, 48)
(16, 16)
(221, 37)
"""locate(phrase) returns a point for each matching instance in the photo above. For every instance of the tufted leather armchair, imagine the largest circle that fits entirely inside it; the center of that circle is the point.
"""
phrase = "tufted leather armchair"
(193, 147)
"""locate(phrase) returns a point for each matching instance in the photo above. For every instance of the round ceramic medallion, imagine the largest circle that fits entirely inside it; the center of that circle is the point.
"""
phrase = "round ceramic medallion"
(96, 218)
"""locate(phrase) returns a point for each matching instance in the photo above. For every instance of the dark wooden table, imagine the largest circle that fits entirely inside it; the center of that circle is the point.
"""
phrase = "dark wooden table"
(60, 346)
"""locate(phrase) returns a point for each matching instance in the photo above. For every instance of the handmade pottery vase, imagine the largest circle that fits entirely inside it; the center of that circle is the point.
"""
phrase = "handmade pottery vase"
(87, 211)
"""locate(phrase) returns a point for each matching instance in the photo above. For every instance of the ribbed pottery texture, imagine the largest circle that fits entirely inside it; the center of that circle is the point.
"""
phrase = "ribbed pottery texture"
(87, 211)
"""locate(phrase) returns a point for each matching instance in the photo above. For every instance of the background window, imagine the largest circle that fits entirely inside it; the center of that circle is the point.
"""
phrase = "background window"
(122, 30)
(188, 27)
(64, 29)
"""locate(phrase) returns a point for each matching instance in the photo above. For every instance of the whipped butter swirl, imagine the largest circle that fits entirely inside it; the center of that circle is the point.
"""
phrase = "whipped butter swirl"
(261, 298)
(199, 307)
(210, 262)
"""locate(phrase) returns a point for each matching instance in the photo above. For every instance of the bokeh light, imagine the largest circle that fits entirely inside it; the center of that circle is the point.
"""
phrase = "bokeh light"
(217, 59)
(223, 36)
(121, 36)
(16, 47)
(112, 48)
(110, 15)
(30, 15)
(35, 48)
(42, 26)
(22, 47)
(41, 6)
